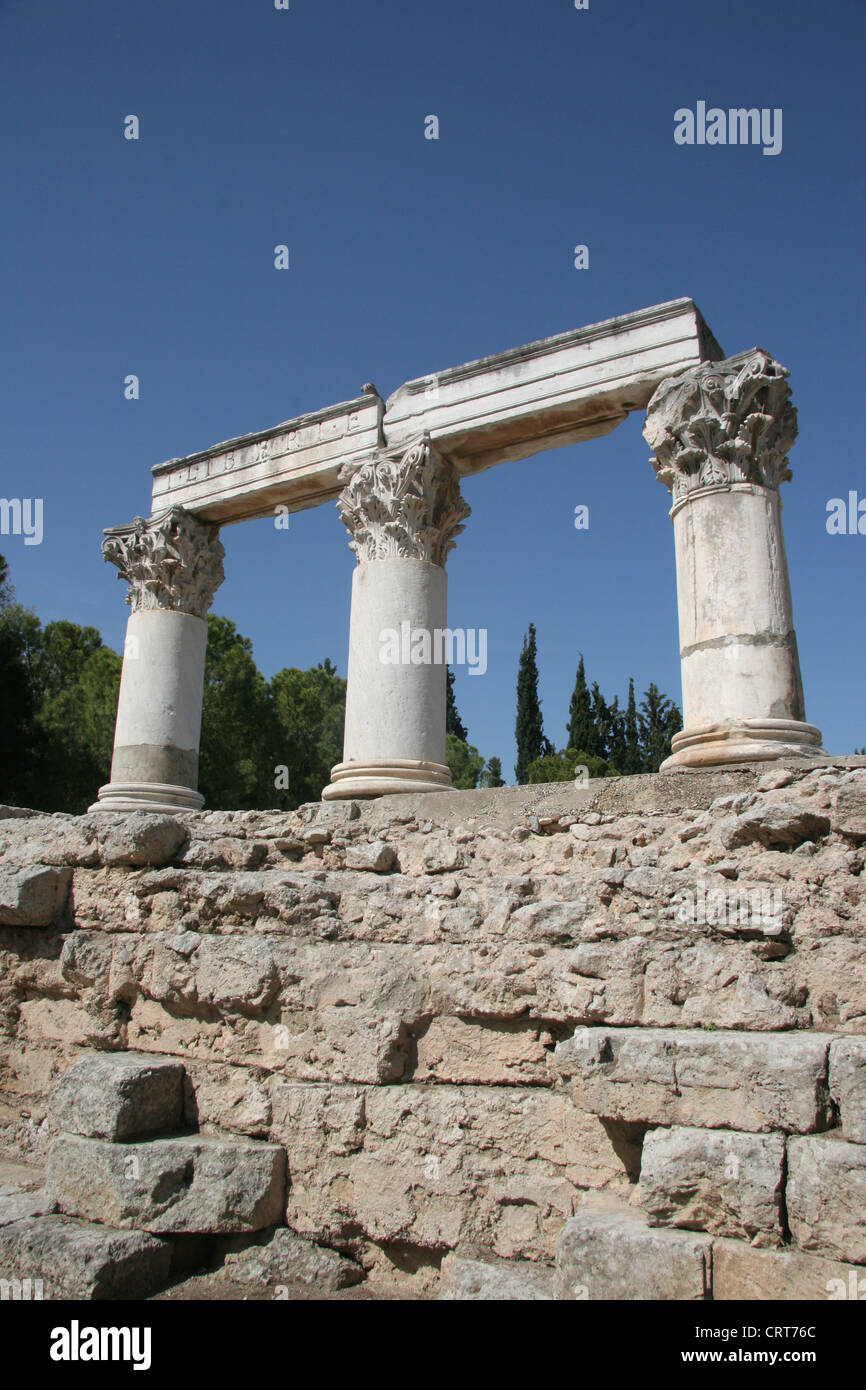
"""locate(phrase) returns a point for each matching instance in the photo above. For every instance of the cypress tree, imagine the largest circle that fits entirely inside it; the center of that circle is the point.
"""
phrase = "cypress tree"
(528, 729)
(581, 727)
(633, 759)
(453, 723)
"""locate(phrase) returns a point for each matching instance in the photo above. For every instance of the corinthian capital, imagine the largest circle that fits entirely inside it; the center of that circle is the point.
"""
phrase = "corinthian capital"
(722, 423)
(171, 561)
(405, 504)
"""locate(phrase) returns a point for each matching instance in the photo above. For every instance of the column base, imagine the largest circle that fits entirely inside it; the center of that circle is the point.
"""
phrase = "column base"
(745, 741)
(146, 796)
(386, 777)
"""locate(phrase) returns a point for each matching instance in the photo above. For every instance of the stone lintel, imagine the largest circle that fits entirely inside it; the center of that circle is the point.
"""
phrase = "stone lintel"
(560, 390)
(295, 463)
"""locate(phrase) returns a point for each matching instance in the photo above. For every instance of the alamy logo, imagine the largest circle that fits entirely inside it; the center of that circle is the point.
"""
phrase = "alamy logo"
(736, 126)
(22, 516)
(444, 646)
(22, 1290)
(77, 1343)
(846, 519)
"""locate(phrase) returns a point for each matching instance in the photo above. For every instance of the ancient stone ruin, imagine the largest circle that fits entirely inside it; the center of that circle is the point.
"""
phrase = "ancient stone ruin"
(563, 1042)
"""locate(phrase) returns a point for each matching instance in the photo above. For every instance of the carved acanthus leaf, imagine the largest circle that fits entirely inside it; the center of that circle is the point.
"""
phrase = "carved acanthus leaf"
(171, 561)
(722, 423)
(405, 504)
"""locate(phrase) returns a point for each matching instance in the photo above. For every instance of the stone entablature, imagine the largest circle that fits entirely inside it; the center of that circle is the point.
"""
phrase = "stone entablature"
(571, 387)
(296, 464)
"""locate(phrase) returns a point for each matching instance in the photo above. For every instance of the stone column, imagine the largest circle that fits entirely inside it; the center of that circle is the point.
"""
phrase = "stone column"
(720, 434)
(173, 566)
(403, 511)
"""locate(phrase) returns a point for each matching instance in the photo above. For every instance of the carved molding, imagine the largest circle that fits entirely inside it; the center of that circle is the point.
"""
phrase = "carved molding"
(404, 504)
(722, 423)
(171, 561)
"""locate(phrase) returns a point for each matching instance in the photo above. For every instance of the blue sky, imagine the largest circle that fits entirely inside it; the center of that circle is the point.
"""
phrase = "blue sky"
(306, 127)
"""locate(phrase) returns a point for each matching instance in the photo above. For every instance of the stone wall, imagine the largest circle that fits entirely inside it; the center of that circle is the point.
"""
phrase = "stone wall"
(627, 1021)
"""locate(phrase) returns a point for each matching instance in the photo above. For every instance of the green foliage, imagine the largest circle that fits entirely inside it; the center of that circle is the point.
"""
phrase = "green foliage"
(659, 719)
(464, 761)
(632, 760)
(453, 723)
(529, 731)
(309, 709)
(492, 774)
(561, 765)
(237, 729)
(582, 731)
(58, 692)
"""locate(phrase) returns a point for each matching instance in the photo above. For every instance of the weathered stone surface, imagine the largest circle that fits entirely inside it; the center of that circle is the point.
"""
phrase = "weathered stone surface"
(608, 1251)
(141, 838)
(739, 1271)
(467, 1280)
(434, 1166)
(849, 812)
(720, 1181)
(743, 1081)
(286, 1258)
(377, 857)
(386, 1026)
(78, 1260)
(32, 897)
(826, 1197)
(502, 1052)
(192, 1184)
(776, 824)
(19, 1206)
(119, 1095)
(848, 1086)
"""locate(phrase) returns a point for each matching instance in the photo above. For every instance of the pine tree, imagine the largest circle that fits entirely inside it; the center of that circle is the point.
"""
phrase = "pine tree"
(633, 761)
(453, 723)
(581, 729)
(659, 720)
(492, 774)
(528, 729)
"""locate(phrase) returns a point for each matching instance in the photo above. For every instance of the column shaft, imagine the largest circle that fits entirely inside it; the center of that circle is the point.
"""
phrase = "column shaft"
(721, 434)
(403, 513)
(173, 565)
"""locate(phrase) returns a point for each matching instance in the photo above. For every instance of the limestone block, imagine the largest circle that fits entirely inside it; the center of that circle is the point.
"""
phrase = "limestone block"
(740, 1271)
(78, 1260)
(849, 812)
(377, 857)
(492, 1051)
(434, 1166)
(775, 824)
(118, 1096)
(848, 1086)
(608, 1251)
(33, 896)
(193, 1184)
(141, 838)
(746, 1081)
(286, 1258)
(494, 1281)
(20, 1206)
(720, 1181)
(826, 1196)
